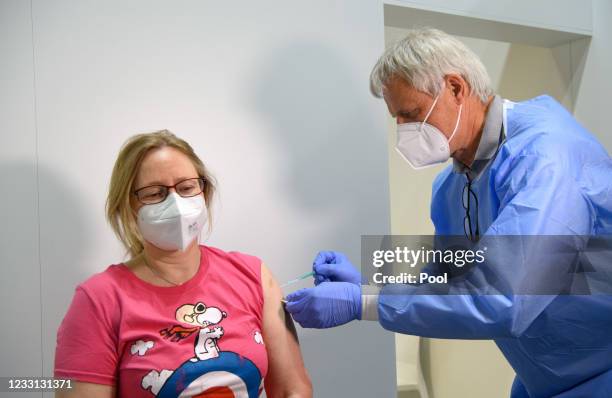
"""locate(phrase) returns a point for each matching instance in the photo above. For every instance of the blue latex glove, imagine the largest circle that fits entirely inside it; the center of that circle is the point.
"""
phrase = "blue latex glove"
(326, 305)
(334, 267)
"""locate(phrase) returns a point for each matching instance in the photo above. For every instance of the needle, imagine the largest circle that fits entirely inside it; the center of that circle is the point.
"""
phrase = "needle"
(299, 278)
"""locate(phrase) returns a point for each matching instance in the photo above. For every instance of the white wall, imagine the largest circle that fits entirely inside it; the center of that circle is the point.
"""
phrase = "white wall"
(20, 295)
(554, 15)
(273, 96)
(593, 61)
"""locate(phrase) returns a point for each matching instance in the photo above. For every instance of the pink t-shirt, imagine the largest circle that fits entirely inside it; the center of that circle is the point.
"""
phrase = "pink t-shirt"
(200, 339)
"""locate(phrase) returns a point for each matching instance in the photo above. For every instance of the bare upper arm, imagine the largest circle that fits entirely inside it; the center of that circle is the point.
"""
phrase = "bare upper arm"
(90, 390)
(287, 375)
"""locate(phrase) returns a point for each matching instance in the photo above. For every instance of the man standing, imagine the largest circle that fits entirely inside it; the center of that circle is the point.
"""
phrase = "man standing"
(523, 169)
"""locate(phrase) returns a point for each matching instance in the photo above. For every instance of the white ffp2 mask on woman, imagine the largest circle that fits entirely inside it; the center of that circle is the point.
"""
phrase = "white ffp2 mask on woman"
(174, 223)
(423, 145)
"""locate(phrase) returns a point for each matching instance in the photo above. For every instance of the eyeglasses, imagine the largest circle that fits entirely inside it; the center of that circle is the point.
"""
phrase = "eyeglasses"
(153, 194)
(472, 234)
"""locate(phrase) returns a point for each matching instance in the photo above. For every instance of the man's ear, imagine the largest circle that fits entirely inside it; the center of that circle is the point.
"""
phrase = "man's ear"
(458, 87)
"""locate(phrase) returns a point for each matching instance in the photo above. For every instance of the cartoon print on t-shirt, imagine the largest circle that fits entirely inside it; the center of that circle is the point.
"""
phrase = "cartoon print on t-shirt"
(210, 370)
(202, 317)
(205, 347)
(258, 337)
(141, 347)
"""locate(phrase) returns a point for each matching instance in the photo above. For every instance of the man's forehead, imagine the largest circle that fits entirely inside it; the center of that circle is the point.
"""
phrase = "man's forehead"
(399, 90)
(402, 100)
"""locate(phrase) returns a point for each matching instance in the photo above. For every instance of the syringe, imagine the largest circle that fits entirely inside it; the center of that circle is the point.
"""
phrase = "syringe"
(299, 278)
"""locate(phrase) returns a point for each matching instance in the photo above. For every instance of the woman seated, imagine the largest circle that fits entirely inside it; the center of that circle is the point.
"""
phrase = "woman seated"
(178, 318)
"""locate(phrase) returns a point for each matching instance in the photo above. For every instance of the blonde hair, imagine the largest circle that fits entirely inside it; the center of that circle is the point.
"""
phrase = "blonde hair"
(119, 212)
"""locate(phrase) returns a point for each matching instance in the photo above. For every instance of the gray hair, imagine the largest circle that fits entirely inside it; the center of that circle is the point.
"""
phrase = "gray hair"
(424, 57)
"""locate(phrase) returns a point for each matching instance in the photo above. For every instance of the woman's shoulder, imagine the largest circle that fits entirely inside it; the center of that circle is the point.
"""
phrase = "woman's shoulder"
(231, 255)
(103, 285)
(237, 272)
(238, 259)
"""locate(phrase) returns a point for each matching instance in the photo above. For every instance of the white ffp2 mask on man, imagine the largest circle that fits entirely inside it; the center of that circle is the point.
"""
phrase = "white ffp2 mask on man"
(174, 223)
(423, 145)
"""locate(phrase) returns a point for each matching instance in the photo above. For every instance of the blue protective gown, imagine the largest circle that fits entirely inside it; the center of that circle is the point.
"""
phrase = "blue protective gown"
(549, 177)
